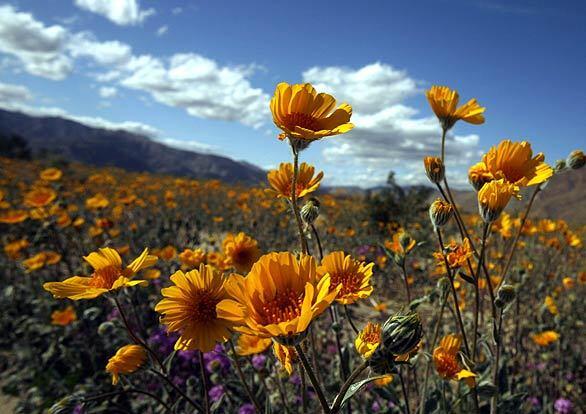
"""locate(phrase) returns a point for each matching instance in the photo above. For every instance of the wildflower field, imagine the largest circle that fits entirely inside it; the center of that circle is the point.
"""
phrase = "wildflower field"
(138, 293)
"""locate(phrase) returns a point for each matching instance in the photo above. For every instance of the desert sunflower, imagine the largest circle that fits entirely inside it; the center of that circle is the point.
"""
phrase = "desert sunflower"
(478, 175)
(251, 345)
(13, 216)
(108, 275)
(241, 251)
(493, 197)
(445, 359)
(545, 338)
(368, 339)
(51, 174)
(190, 308)
(278, 298)
(303, 114)
(514, 162)
(63, 317)
(127, 360)
(281, 179)
(39, 197)
(352, 275)
(444, 103)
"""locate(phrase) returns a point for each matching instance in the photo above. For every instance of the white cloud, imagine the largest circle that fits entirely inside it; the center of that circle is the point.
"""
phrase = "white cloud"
(108, 92)
(162, 30)
(389, 134)
(177, 10)
(189, 145)
(110, 53)
(121, 12)
(14, 93)
(199, 85)
(38, 47)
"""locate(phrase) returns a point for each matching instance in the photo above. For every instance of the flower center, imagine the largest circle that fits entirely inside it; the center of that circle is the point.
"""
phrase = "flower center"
(350, 281)
(446, 364)
(301, 120)
(285, 306)
(203, 307)
(105, 278)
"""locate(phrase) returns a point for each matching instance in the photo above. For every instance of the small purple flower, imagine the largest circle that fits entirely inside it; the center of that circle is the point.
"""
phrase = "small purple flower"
(363, 250)
(295, 380)
(563, 406)
(216, 360)
(541, 366)
(216, 392)
(375, 407)
(247, 409)
(78, 409)
(258, 361)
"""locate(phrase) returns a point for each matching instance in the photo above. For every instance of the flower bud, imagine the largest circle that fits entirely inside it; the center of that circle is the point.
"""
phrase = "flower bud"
(401, 333)
(505, 295)
(106, 328)
(382, 361)
(405, 240)
(576, 160)
(560, 165)
(440, 212)
(310, 211)
(434, 169)
(478, 175)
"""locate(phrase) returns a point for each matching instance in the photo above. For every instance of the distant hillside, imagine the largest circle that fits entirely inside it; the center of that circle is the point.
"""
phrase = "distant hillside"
(101, 147)
(563, 198)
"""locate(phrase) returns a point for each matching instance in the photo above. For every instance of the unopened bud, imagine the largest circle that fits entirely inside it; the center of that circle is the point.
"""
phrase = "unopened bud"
(382, 361)
(576, 160)
(310, 211)
(505, 295)
(440, 212)
(434, 169)
(405, 241)
(560, 165)
(401, 333)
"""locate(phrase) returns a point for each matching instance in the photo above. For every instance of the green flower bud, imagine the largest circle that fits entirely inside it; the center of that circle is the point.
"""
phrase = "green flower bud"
(401, 333)
(576, 160)
(382, 361)
(505, 295)
(310, 211)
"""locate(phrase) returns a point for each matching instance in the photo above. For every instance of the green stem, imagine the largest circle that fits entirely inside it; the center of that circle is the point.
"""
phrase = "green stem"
(242, 379)
(302, 240)
(405, 394)
(349, 317)
(313, 379)
(338, 400)
(204, 382)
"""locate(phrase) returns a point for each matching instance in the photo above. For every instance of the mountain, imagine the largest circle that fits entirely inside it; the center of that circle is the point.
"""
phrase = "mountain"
(562, 198)
(131, 151)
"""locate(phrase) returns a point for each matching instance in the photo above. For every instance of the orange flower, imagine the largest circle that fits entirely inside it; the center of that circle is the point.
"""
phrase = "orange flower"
(51, 174)
(97, 202)
(13, 249)
(251, 345)
(351, 275)
(456, 254)
(445, 359)
(39, 197)
(444, 103)
(127, 360)
(282, 178)
(192, 258)
(545, 338)
(301, 113)
(241, 251)
(63, 317)
(514, 162)
(368, 339)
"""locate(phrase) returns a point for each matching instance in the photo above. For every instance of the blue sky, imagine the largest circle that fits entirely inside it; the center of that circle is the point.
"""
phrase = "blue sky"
(198, 74)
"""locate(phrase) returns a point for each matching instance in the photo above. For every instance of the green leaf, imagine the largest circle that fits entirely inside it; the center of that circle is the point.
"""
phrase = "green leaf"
(357, 386)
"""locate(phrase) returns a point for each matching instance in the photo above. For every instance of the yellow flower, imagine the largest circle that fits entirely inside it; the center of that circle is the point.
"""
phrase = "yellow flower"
(41, 259)
(493, 197)
(13, 216)
(478, 175)
(127, 360)
(456, 254)
(39, 197)
(551, 305)
(241, 251)
(192, 258)
(190, 307)
(300, 112)
(96, 202)
(514, 162)
(281, 180)
(397, 247)
(63, 317)
(51, 174)
(13, 249)
(285, 355)
(545, 338)
(444, 103)
(368, 340)
(568, 283)
(251, 344)
(445, 359)
(384, 381)
(352, 275)
(279, 298)
(108, 276)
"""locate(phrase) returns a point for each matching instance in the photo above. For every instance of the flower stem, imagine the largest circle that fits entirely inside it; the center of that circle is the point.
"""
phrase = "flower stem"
(495, 374)
(404, 390)
(302, 240)
(314, 382)
(338, 400)
(204, 382)
(349, 317)
(242, 379)
(476, 289)
(406, 281)
(514, 245)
